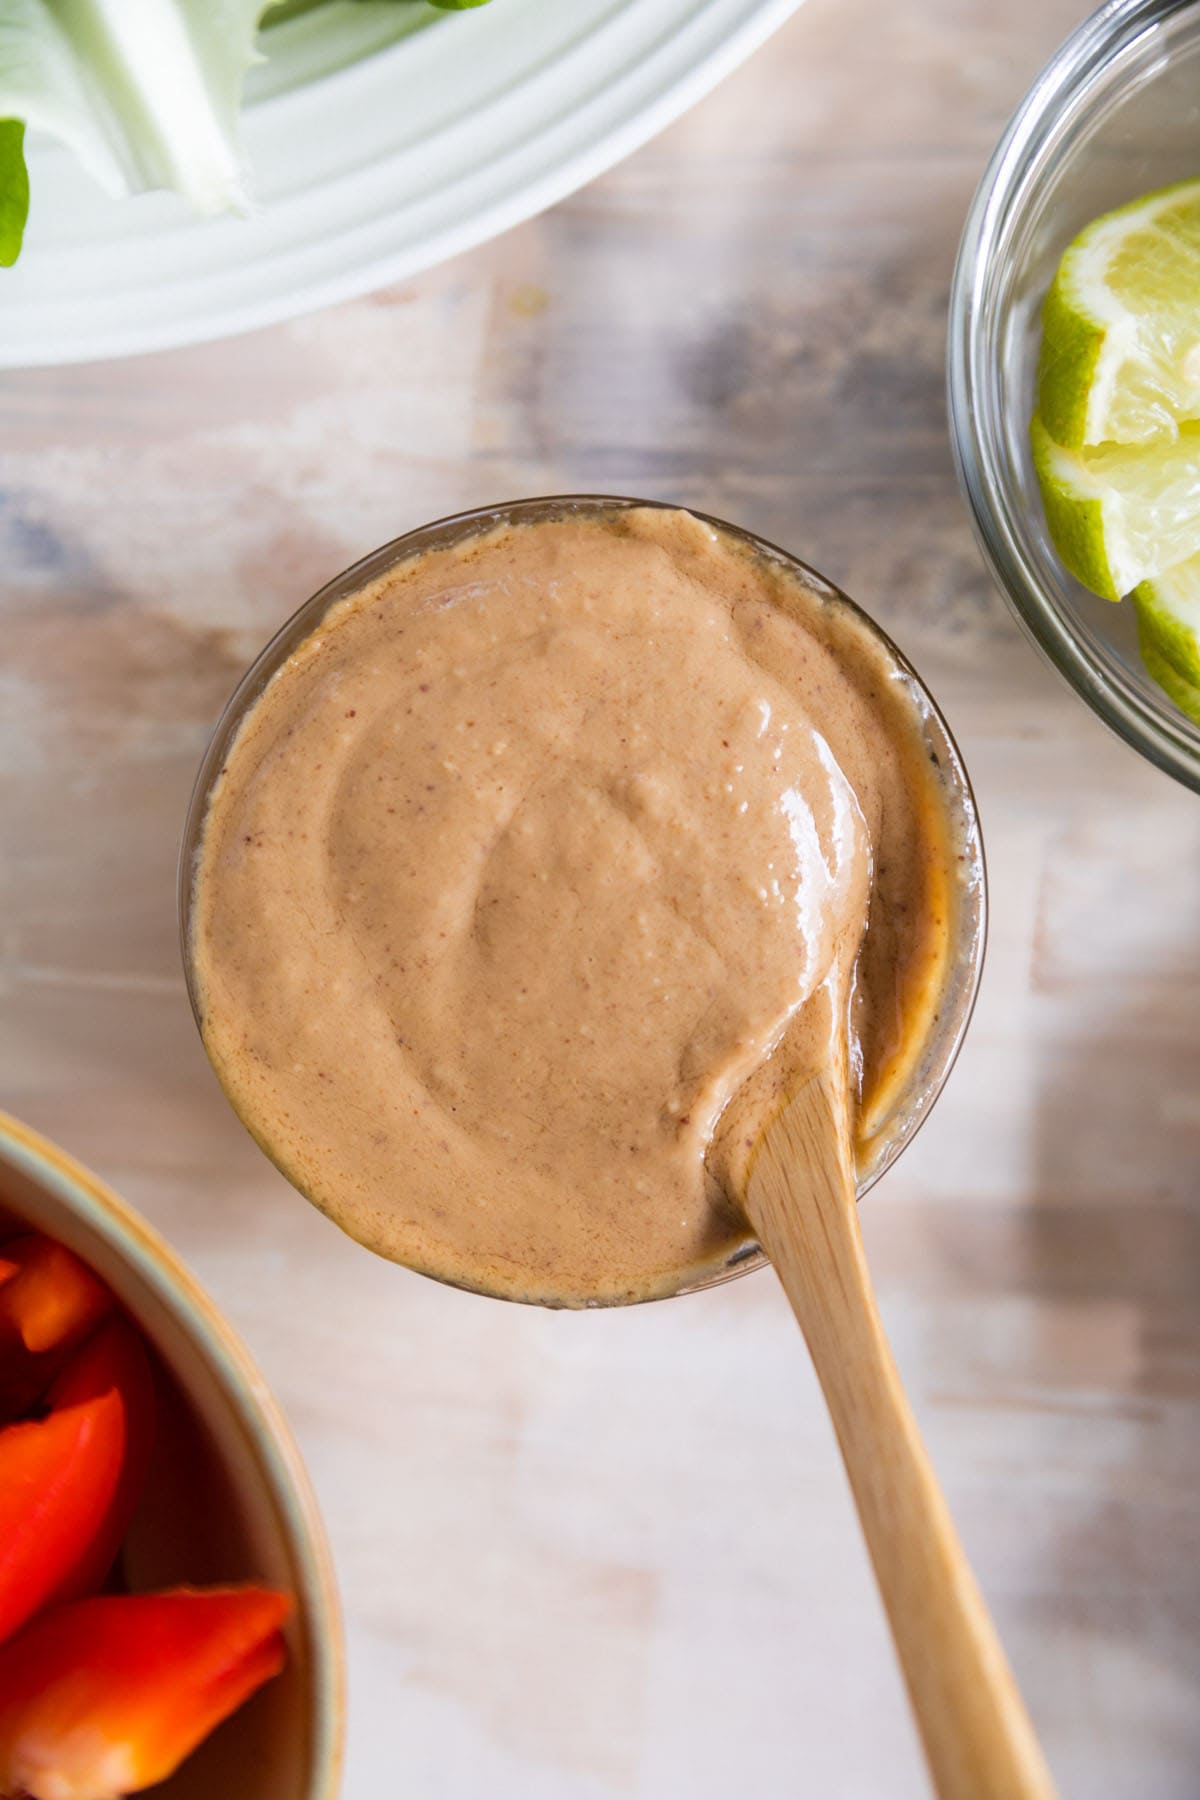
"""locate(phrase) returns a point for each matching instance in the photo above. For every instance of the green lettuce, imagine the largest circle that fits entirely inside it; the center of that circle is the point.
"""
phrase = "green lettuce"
(14, 190)
(147, 93)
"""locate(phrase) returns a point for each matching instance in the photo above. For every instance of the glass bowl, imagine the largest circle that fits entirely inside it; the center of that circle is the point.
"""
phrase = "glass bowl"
(930, 1067)
(1114, 114)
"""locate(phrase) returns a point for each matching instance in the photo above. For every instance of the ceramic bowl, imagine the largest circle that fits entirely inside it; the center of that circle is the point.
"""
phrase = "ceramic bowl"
(226, 1498)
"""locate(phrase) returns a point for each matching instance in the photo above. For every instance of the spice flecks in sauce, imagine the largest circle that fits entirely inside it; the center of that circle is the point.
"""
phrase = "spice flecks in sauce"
(520, 867)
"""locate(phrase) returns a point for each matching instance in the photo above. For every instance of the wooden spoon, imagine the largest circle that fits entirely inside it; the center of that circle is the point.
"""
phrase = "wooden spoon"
(801, 1201)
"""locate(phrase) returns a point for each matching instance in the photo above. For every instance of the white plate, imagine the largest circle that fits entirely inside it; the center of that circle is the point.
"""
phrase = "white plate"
(383, 138)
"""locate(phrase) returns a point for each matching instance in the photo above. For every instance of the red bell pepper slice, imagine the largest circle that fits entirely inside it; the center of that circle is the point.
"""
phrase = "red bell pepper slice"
(107, 1696)
(69, 1483)
(49, 1302)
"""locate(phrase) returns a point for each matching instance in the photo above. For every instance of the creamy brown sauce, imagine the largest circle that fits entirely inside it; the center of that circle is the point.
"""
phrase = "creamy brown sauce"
(524, 863)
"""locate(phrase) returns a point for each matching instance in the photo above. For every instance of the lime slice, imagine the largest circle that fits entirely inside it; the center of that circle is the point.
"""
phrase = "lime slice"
(1185, 694)
(1169, 618)
(1120, 515)
(1120, 359)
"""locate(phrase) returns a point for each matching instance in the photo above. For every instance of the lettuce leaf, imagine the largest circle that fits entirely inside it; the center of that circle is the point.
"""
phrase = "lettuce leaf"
(14, 190)
(145, 92)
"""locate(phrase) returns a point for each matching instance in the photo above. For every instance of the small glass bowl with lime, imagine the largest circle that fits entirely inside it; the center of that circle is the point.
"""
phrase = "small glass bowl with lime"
(1114, 116)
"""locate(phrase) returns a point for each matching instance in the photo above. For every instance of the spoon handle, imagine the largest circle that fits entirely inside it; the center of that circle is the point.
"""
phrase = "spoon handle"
(801, 1200)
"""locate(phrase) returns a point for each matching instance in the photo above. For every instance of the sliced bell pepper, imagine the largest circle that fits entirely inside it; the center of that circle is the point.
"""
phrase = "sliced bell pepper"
(49, 1302)
(107, 1696)
(69, 1483)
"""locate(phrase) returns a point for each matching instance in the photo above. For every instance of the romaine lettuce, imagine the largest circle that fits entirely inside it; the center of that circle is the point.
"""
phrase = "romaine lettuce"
(145, 92)
(14, 190)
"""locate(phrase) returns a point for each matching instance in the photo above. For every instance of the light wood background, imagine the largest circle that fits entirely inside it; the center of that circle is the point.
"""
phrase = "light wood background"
(602, 1556)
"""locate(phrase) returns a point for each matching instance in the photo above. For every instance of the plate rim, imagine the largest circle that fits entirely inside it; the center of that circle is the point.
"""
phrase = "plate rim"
(526, 199)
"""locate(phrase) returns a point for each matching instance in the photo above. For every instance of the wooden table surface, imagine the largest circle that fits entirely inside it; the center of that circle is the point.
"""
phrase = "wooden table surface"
(614, 1555)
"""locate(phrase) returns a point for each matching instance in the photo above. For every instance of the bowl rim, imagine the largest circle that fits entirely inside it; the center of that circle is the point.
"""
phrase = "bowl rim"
(265, 1430)
(965, 975)
(1163, 738)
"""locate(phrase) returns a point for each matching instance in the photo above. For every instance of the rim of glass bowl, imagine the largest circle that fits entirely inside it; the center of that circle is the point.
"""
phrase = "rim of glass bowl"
(1058, 97)
(962, 985)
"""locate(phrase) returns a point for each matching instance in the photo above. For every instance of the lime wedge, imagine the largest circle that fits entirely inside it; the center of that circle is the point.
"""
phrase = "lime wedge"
(1120, 515)
(1120, 360)
(1185, 694)
(1168, 611)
